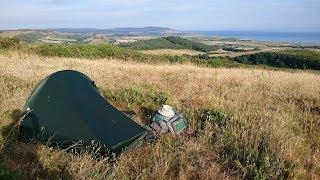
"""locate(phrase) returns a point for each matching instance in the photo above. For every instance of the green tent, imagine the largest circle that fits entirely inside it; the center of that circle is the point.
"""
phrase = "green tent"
(66, 108)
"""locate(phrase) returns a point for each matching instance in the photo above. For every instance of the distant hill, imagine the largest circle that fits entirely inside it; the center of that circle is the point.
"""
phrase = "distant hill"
(83, 35)
(27, 35)
(40, 36)
(144, 30)
(171, 42)
(13, 33)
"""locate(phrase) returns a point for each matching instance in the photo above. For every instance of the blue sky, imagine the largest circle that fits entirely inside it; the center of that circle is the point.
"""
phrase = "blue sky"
(275, 15)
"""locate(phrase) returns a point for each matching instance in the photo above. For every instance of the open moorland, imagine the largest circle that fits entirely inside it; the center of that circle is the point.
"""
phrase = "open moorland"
(245, 122)
(250, 117)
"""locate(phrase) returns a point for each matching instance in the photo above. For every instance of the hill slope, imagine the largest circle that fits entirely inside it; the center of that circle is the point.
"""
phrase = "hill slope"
(169, 43)
(243, 123)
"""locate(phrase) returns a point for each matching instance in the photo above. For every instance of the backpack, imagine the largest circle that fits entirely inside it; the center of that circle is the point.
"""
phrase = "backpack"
(163, 124)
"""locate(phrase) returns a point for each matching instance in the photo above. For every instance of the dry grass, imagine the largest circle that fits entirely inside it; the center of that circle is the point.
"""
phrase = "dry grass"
(172, 52)
(282, 106)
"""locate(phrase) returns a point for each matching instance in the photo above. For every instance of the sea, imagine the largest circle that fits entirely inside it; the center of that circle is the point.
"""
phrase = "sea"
(308, 38)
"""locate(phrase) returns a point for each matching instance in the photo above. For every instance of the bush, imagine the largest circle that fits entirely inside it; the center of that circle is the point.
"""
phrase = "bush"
(136, 97)
(9, 43)
(211, 116)
(78, 50)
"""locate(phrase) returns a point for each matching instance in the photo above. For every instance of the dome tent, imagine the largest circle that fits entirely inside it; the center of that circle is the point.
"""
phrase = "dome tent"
(66, 108)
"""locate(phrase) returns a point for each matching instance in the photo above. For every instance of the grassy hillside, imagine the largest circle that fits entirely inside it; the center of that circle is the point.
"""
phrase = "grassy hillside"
(169, 43)
(109, 51)
(31, 37)
(298, 59)
(243, 123)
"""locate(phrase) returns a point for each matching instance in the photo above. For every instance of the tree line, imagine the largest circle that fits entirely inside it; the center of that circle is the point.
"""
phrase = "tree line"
(297, 59)
(170, 42)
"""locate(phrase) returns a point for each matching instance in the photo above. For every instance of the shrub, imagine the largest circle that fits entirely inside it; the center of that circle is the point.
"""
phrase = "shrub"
(136, 97)
(211, 116)
(77, 50)
(9, 43)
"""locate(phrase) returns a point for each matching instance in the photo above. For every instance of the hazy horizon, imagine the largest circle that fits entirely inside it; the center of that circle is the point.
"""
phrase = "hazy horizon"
(183, 30)
(193, 15)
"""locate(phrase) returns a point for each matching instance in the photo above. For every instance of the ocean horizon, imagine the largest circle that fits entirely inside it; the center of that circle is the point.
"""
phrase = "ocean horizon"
(312, 38)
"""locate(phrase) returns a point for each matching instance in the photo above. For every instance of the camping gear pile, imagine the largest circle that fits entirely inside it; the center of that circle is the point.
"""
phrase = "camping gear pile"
(166, 119)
